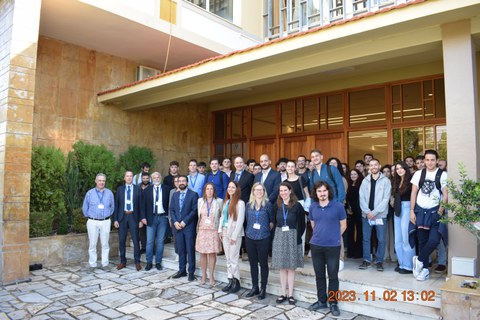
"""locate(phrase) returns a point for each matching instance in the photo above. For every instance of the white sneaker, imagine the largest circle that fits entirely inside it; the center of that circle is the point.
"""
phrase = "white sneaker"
(417, 266)
(341, 265)
(423, 275)
(176, 258)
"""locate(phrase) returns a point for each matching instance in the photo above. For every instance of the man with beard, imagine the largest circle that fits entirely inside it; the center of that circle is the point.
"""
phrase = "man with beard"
(155, 200)
(142, 231)
(144, 167)
(419, 164)
(172, 173)
(183, 215)
(302, 169)
(269, 178)
(410, 163)
(374, 196)
(282, 168)
(218, 178)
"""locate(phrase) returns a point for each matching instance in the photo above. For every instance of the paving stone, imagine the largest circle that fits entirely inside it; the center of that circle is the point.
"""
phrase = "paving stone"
(169, 293)
(40, 317)
(150, 294)
(110, 313)
(20, 315)
(34, 298)
(186, 297)
(202, 299)
(201, 312)
(47, 291)
(91, 316)
(95, 306)
(156, 302)
(154, 314)
(264, 313)
(60, 315)
(281, 317)
(241, 303)
(303, 314)
(226, 316)
(113, 300)
(227, 298)
(227, 308)
(105, 292)
(77, 311)
(53, 307)
(175, 308)
(194, 289)
(140, 290)
(131, 308)
(36, 308)
(164, 284)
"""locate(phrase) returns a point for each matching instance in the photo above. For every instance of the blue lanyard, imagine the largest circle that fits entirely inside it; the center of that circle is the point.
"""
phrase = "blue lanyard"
(99, 198)
(193, 182)
(209, 205)
(285, 214)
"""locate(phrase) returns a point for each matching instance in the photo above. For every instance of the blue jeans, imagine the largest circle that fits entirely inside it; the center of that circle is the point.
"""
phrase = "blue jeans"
(156, 232)
(404, 252)
(381, 238)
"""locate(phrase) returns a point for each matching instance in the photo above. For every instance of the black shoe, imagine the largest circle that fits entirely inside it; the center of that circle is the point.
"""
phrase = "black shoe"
(405, 271)
(235, 286)
(379, 266)
(191, 277)
(158, 266)
(397, 269)
(262, 294)
(148, 267)
(291, 300)
(252, 292)
(142, 251)
(167, 240)
(364, 265)
(228, 286)
(281, 299)
(317, 306)
(179, 275)
(334, 310)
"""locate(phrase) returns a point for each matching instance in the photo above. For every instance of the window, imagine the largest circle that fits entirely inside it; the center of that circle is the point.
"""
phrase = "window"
(367, 107)
(370, 141)
(414, 141)
(222, 8)
(264, 120)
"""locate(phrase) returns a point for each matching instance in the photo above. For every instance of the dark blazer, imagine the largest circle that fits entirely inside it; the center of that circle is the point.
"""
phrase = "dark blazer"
(272, 184)
(246, 183)
(119, 212)
(149, 201)
(189, 211)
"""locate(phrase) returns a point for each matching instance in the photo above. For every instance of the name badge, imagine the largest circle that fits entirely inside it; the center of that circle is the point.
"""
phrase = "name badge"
(207, 221)
(256, 226)
(128, 201)
(101, 206)
(157, 203)
(285, 228)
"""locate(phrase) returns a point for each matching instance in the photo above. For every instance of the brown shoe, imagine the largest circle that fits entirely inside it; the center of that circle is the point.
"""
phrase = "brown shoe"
(120, 266)
(138, 266)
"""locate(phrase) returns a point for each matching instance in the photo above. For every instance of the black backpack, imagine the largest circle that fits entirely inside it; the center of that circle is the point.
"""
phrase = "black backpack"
(438, 175)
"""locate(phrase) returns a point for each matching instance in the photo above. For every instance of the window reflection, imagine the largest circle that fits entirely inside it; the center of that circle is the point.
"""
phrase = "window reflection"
(367, 107)
(372, 141)
(264, 120)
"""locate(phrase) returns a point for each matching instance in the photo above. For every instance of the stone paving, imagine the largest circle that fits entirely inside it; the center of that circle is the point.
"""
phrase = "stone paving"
(74, 292)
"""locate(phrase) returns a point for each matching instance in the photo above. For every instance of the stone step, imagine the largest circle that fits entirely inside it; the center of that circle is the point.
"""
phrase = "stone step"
(352, 282)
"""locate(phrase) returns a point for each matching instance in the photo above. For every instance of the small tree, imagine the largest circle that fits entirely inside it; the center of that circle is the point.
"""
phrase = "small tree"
(465, 206)
(133, 157)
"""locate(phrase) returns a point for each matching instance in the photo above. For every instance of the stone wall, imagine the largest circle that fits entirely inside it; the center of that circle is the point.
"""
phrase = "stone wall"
(66, 108)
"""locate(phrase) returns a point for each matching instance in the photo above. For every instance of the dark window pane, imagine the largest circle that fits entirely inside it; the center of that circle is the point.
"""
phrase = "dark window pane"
(367, 107)
(439, 98)
(219, 151)
(310, 114)
(428, 99)
(373, 141)
(220, 126)
(263, 120)
(237, 124)
(288, 117)
(335, 111)
(412, 101)
(412, 142)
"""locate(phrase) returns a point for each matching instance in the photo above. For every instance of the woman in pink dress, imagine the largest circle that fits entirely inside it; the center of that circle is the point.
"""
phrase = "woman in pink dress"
(208, 242)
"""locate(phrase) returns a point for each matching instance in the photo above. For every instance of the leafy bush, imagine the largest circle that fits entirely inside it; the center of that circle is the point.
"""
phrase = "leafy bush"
(133, 157)
(41, 223)
(79, 221)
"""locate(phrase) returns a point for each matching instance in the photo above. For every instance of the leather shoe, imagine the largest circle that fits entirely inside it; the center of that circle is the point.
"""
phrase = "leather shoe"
(252, 292)
(179, 275)
(191, 277)
(158, 266)
(148, 267)
(317, 306)
(120, 266)
(262, 294)
(138, 266)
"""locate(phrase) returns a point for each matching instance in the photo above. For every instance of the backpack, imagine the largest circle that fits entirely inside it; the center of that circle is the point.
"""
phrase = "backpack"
(438, 175)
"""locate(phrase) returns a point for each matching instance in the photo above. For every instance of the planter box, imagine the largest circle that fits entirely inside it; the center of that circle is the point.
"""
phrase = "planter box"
(66, 249)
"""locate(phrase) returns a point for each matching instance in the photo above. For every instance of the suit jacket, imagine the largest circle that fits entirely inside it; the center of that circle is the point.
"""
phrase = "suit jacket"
(119, 212)
(188, 214)
(246, 183)
(149, 201)
(271, 183)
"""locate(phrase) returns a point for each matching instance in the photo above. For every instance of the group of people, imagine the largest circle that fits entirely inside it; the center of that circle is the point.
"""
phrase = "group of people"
(302, 205)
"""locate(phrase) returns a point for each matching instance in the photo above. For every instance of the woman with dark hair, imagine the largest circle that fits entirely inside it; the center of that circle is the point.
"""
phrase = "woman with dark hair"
(401, 191)
(257, 237)
(287, 252)
(208, 242)
(230, 230)
(389, 237)
(354, 215)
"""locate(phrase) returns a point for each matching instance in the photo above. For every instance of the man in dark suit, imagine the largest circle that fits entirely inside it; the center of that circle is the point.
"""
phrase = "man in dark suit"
(269, 178)
(127, 215)
(183, 215)
(243, 177)
(155, 200)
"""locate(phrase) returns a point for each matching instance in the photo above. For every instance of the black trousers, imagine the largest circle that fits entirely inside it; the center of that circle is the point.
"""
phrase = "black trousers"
(355, 245)
(258, 254)
(329, 257)
(128, 223)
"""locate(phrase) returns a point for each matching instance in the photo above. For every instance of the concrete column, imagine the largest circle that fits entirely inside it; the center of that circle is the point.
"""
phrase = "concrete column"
(462, 121)
(19, 28)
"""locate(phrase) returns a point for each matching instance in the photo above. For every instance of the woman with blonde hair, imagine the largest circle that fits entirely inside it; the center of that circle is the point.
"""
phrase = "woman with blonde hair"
(230, 230)
(259, 218)
(208, 242)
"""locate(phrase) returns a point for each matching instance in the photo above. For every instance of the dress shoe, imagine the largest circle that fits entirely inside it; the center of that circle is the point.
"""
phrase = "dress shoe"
(262, 294)
(228, 286)
(317, 306)
(334, 310)
(158, 266)
(235, 286)
(120, 266)
(179, 275)
(191, 277)
(148, 267)
(253, 292)
(138, 266)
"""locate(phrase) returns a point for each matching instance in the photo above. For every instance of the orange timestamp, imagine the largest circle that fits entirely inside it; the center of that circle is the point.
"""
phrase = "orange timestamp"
(385, 295)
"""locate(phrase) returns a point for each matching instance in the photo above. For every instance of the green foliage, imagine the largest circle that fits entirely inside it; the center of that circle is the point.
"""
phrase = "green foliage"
(79, 221)
(92, 159)
(61, 224)
(73, 198)
(41, 223)
(465, 206)
(135, 156)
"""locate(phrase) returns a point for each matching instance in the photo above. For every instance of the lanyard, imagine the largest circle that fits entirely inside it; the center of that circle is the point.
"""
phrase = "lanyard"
(194, 181)
(98, 195)
(256, 215)
(209, 205)
(285, 214)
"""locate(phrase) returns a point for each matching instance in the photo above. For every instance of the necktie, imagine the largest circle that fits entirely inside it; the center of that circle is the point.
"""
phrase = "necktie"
(129, 198)
(182, 199)
(237, 177)
(156, 201)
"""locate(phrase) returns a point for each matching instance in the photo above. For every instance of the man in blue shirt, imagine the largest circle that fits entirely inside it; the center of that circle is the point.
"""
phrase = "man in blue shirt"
(329, 174)
(218, 178)
(98, 207)
(195, 179)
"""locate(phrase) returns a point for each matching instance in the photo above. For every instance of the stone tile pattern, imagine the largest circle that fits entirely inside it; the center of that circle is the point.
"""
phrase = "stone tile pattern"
(19, 27)
(73, 292)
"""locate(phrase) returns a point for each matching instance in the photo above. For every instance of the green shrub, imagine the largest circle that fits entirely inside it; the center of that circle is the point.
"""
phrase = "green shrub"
(41, 223)
(79, 221)
(133, 157)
